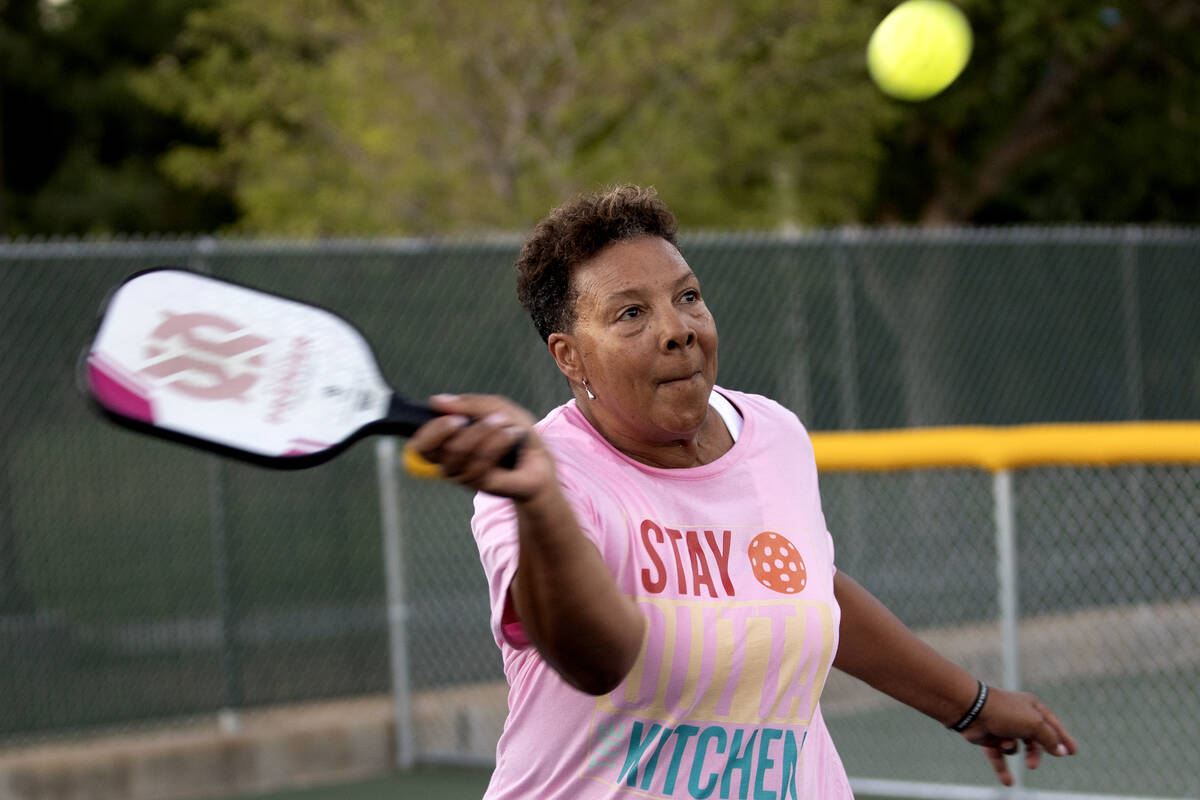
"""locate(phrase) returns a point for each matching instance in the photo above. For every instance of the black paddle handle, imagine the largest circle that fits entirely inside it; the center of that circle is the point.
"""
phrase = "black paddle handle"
(404, 418)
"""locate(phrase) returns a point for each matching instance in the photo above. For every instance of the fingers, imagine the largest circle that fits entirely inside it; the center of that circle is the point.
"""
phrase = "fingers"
(1010, 718)
(469, 442)
(478, 406)
(1066, 742)
(476, 448)
(428, 439)
(1033, 754)
(1050, 734)
(466, 450)
(999, 765)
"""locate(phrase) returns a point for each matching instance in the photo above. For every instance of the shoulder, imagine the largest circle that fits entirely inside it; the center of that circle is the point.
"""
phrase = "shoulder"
(764, 411)
(560, 423)
(773, 433)
(573, 442)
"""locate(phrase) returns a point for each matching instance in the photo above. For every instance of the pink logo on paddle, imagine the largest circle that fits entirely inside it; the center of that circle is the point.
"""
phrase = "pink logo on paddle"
(204, 356)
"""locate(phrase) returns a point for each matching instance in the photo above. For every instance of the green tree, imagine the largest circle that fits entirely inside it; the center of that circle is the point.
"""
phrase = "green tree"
(1068, 111)
(78, 150)
(342, 116)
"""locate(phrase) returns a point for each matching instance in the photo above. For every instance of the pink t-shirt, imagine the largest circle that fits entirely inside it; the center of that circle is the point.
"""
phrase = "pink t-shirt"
(732, 565)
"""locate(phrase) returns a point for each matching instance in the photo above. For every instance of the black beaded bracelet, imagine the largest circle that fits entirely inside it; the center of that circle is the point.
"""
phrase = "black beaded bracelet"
(976, 707)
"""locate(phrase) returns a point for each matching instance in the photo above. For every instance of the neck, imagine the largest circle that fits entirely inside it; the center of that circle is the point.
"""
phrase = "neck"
(702, 446)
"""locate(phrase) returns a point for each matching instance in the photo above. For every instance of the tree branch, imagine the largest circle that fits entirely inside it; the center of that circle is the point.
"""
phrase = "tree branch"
(1034, 131)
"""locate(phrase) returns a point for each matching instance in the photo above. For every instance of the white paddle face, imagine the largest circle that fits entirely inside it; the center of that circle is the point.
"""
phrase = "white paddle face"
(230, 365)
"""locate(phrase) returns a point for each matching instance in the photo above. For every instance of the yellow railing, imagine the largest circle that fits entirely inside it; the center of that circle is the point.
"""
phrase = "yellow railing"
(1003, 448)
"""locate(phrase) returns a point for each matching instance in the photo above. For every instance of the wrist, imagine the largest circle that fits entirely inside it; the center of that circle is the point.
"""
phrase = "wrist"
(542, 501)
(973, 712)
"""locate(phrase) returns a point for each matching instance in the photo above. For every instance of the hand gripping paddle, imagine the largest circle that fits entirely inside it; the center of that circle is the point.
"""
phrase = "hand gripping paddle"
(242, 372)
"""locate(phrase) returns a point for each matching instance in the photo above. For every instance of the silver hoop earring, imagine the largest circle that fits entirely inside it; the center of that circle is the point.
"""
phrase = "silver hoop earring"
(588, 389)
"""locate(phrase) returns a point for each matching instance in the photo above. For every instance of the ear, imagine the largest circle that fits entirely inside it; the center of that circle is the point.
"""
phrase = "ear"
(565, 351)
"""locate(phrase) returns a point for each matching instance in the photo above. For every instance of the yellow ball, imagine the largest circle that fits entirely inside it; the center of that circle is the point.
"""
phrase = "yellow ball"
(919, 49)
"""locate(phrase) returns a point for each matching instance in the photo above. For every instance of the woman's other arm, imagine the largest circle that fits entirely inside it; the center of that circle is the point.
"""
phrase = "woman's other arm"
(879, 649)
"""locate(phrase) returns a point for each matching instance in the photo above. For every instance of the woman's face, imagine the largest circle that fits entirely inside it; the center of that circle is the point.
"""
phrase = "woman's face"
(645, 341)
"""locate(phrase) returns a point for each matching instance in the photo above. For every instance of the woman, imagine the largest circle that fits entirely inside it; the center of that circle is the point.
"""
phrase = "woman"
(662, 581)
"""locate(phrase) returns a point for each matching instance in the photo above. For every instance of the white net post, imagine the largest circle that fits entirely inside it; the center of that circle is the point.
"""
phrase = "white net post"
(397, 608)
(1006, 573)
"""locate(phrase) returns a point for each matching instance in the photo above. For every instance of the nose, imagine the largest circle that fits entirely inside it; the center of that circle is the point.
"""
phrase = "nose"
(677, 333)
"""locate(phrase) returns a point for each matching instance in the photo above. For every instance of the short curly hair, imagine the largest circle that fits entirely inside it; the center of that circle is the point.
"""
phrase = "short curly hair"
(573, 233)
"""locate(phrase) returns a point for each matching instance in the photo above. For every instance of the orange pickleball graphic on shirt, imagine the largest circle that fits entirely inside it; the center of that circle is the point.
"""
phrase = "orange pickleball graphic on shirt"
(777, 564)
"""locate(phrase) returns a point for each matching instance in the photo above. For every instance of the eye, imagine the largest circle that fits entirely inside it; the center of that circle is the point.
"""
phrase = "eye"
(690, 296)
(630, 313)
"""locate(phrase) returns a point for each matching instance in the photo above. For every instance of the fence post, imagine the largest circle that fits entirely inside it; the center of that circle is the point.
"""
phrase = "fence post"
(848, 417)
(847, 336)
(229, 717)
(1135, 388)
(1006, 572)
(397, 604)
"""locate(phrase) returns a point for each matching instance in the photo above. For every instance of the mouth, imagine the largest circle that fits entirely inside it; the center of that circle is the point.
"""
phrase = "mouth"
(681, 379)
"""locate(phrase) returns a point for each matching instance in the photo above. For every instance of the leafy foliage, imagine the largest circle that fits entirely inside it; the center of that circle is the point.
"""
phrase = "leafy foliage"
(79, 148)
(368, 117)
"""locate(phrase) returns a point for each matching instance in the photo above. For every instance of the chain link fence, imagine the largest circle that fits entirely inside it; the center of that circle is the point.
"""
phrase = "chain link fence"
(140, 581)
(1108, 595)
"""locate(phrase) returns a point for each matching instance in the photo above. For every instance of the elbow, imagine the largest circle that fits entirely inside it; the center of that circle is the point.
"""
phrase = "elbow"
(605, 668)
(598, 682)
(601, 678)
